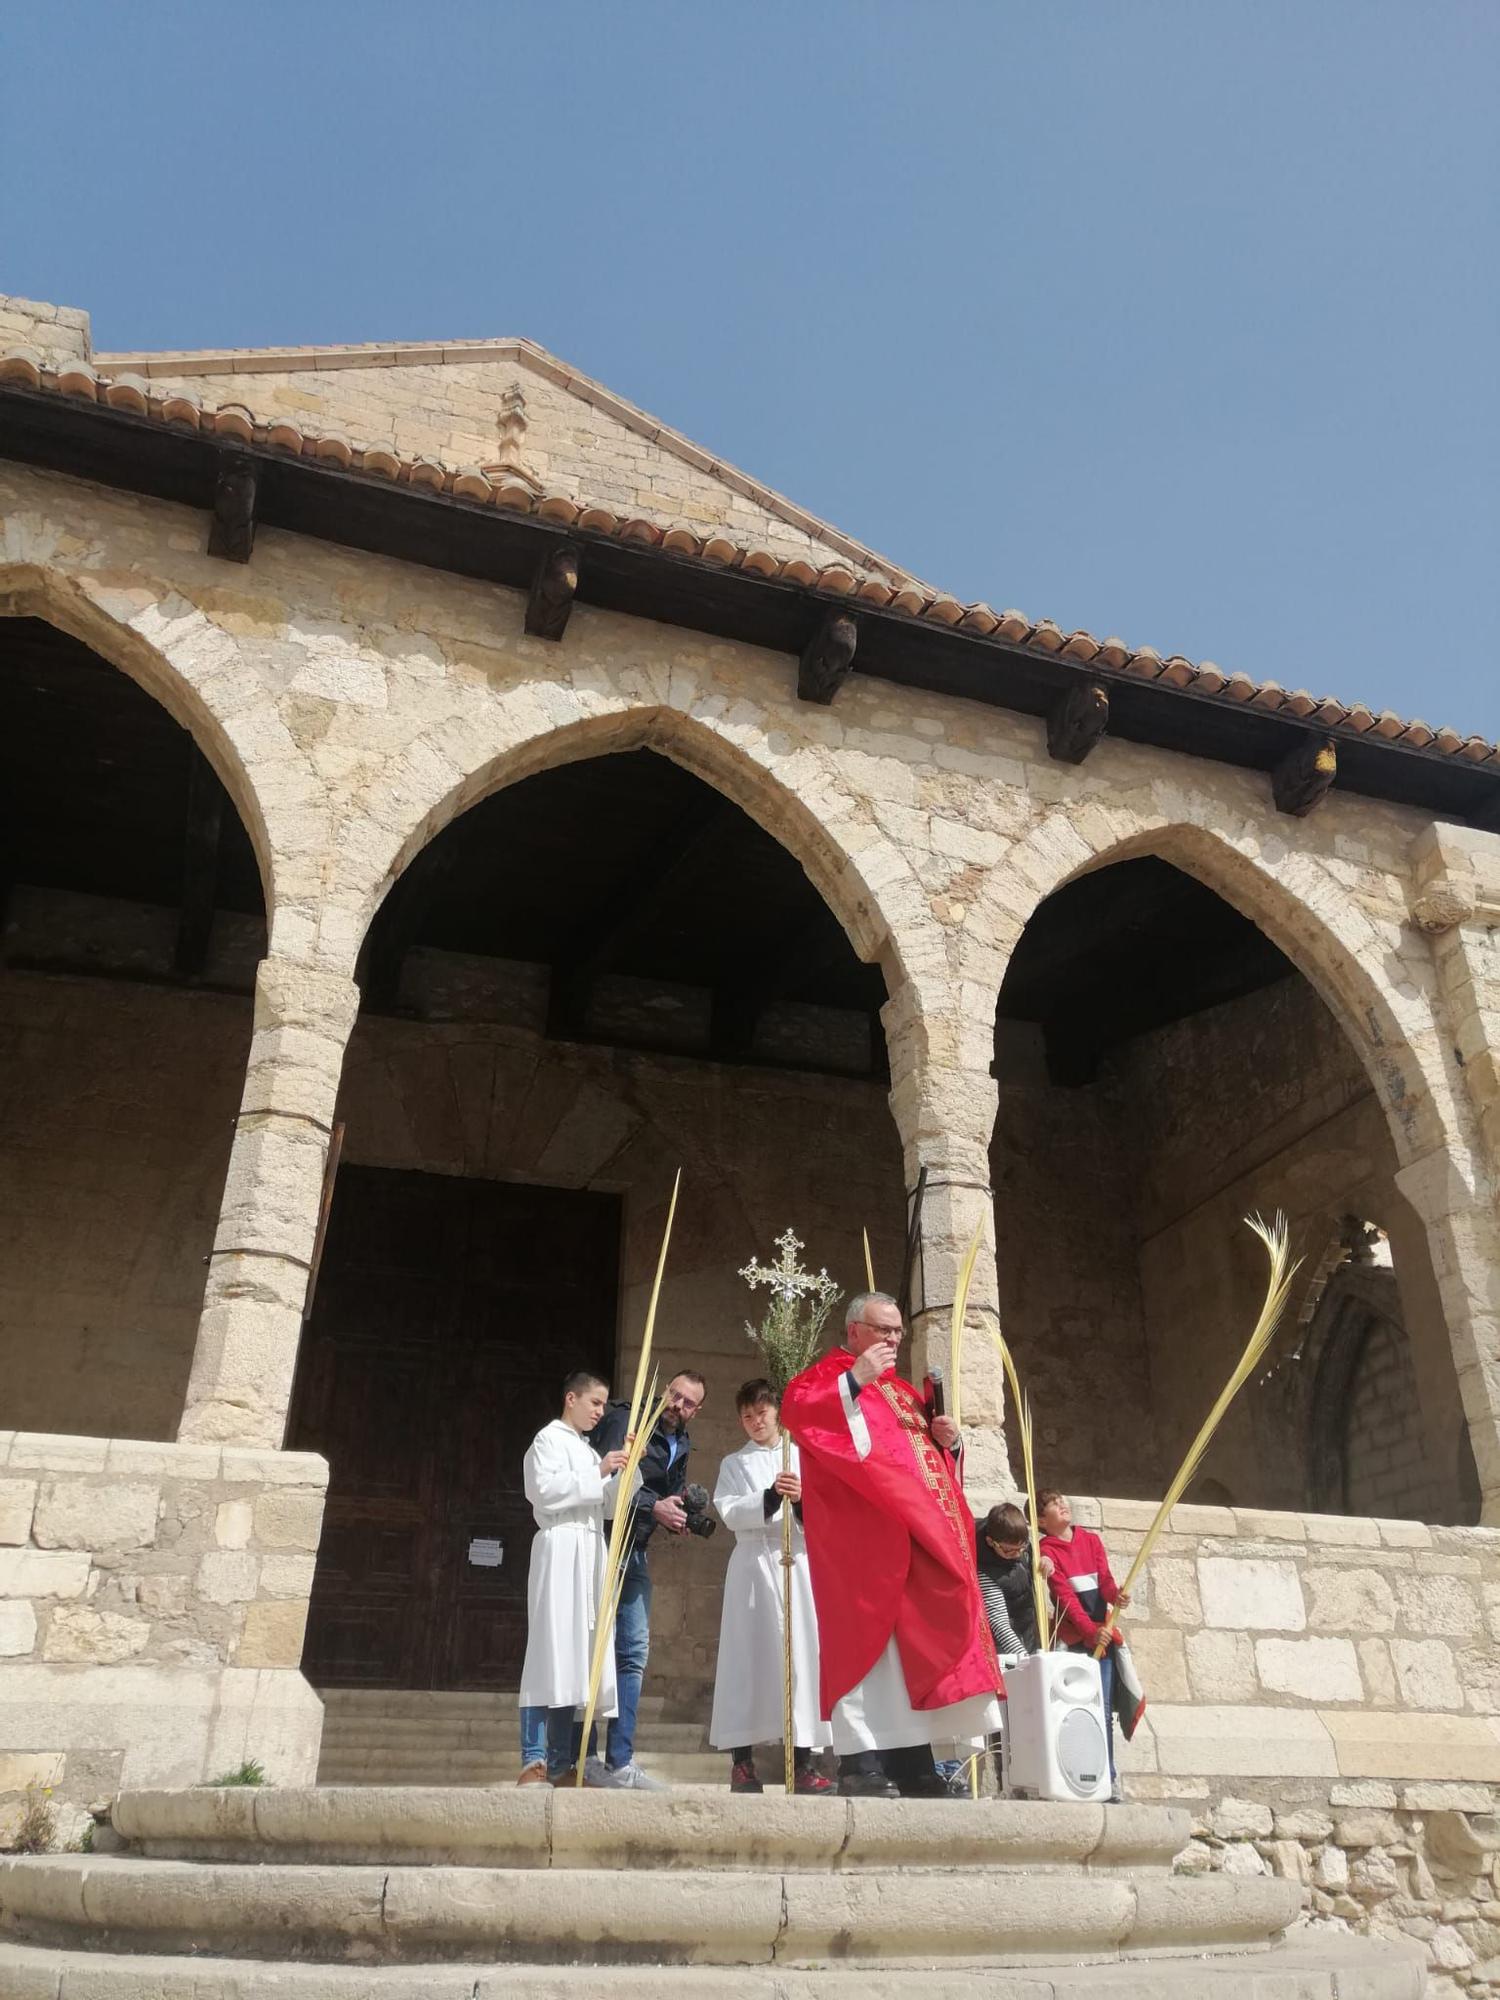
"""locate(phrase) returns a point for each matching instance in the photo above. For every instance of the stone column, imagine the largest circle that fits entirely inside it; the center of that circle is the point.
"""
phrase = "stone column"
(943, 1100)
(241, 1384)
(1455, 898)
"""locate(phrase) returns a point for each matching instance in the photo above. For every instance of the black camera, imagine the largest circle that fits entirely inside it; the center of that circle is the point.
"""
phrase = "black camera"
(695, 1507)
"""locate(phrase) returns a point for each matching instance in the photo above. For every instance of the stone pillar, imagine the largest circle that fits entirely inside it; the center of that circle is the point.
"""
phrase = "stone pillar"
(246, 1354)
(1455, 898)
(943, 1100)
(1464, 1242)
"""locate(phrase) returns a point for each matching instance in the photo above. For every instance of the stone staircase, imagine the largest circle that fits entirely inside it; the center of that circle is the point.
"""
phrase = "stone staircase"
(411, 1893)
(383, 1737)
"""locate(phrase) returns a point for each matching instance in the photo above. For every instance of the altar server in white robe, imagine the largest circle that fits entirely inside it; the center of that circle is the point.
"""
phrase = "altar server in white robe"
(569, 1488)
(751, 1491)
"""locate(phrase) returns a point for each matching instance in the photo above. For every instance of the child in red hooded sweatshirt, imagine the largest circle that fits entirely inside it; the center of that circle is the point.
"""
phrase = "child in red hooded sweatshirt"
(1084, 1587)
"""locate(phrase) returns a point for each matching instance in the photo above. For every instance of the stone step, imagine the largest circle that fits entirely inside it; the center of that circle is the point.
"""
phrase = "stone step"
(535, 1827)
(623, 1914)
(418, 1702)
(504, 1735)
(673, 1768)
(1307, 1969)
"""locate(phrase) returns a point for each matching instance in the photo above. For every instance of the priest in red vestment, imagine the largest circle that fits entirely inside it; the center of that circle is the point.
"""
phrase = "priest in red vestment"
(905, 1648)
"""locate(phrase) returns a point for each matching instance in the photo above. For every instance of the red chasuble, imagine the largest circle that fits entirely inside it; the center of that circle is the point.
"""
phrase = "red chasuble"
(890, 1541)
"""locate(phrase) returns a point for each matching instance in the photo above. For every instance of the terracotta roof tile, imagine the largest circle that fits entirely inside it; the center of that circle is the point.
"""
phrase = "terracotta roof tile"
(134, 392)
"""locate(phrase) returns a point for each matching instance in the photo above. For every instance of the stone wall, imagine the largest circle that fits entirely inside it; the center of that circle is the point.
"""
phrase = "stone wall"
(1324, 1693)
(117, 1107)
(153, 1599)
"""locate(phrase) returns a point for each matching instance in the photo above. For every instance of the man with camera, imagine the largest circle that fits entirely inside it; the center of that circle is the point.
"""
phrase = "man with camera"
(662, 1500)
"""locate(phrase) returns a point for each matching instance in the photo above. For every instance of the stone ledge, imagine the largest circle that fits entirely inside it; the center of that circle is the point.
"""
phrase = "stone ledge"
(537, 1828)
(1343, 1969)
(613, 1915)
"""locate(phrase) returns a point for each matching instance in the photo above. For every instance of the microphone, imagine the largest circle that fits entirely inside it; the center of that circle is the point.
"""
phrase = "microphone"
(935, 1383)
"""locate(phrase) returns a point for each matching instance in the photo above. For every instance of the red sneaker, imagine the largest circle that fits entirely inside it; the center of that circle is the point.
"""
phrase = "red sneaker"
(812, 1784)
(742, 1778)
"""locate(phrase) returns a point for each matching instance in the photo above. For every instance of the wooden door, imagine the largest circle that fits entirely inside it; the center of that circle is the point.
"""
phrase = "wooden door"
(448, 1312)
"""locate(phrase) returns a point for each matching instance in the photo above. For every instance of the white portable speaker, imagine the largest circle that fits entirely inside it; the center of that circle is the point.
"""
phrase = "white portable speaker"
(1055, 1746)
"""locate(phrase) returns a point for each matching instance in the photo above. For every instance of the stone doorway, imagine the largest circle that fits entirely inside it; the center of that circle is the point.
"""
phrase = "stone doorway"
(448, 1312)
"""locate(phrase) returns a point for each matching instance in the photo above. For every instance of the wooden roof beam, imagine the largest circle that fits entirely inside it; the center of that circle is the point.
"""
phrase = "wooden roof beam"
(231, 528)
(1076, 722)
(553, 590)
(827, 658)
(1304, 776)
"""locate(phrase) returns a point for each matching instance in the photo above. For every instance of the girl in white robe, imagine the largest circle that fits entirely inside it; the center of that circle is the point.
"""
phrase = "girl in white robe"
(748, 1704)
(569, 1488)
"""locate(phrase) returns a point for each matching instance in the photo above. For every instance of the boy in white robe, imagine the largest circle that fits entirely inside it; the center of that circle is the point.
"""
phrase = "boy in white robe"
(569, 1489)
(750, 1493)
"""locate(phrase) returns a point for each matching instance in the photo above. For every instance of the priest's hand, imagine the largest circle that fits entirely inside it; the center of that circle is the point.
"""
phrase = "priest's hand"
(945, 1433)
(669, 1514)
(613, 1461)
(874, 1362)
(788, 1484)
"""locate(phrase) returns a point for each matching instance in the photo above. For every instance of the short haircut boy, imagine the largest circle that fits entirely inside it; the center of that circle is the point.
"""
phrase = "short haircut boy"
(1005, 1524)
(751, 1395)
(581, 1379)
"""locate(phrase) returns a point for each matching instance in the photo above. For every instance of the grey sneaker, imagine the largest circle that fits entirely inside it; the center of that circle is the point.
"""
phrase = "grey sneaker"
(631, 1778)
(597, 1775)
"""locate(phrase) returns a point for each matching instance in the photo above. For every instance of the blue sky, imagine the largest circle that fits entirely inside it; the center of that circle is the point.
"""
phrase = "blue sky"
(1177, 321)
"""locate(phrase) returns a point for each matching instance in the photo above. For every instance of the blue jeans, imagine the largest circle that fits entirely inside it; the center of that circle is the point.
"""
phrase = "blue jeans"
(632, 1643)
(550, 1736)
(1107, 1688)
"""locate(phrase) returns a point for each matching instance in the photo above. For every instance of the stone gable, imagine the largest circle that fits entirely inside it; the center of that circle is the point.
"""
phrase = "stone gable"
(489, 404)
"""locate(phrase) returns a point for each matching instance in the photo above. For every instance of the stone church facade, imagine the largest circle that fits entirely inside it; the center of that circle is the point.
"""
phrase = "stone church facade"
(467, 765)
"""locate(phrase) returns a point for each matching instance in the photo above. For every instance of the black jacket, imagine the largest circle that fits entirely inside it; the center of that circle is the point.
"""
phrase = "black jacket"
(659, 1480)
(1006, 1587)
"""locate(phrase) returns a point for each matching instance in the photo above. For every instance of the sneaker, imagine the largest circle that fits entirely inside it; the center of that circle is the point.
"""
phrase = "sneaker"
(812, 1785)
(597, 1775)
(534, 1774)
(743, 1778)
(866, 1785)
(628, 1778)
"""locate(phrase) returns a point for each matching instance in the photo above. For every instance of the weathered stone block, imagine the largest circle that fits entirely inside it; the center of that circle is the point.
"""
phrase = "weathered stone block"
(96, 1514)
(1249, 1742)
(17, 1504)
(287, 1576)
(1159, 1656)
(272, 1635)
(17, 1629)
(233, 1524)
(228, 1576)
(1252, 1595)
(1174, 1590)
(1241, 1819)
(1221, 1666)
(1350, 1600)
(1315, 1669)
(1426, 1673)
(1438, 1605)
(1374, 1745)
(104, 1638)
(289, 1520)
(42, 1573)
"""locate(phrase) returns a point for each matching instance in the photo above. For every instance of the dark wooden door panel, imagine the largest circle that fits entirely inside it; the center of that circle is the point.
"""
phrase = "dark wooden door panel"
(448, 1312)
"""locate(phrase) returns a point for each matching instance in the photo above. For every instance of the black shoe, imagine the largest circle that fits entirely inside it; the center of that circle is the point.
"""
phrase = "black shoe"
(924, 1787)
(867, 1785)
(863, 1776)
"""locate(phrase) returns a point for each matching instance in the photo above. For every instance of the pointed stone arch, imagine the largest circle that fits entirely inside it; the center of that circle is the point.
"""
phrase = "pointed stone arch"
(796, 795)
(188, 665)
